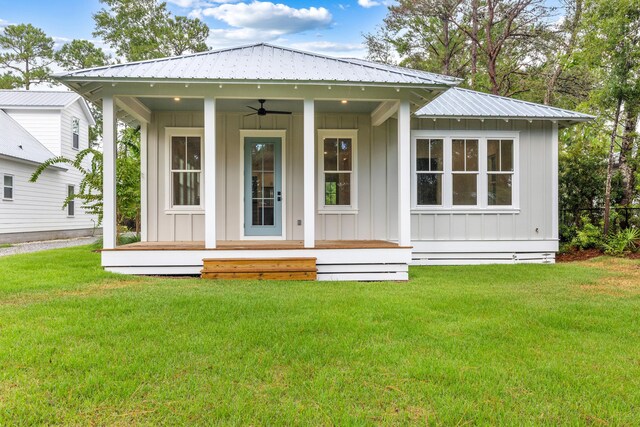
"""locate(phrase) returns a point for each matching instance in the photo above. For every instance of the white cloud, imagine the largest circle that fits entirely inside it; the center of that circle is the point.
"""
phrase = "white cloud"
(351, 50)
(271, 17)
(368, 3)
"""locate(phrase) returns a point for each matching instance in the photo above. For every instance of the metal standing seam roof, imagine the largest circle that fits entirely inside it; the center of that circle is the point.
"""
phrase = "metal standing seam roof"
(32, 98)
(262, 62)
(465, 103)
(17, 143)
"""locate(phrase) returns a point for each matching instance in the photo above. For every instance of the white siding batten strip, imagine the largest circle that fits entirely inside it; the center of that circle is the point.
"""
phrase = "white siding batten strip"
(404, 173)
(210, 172)
(309, 174)
(109, 172)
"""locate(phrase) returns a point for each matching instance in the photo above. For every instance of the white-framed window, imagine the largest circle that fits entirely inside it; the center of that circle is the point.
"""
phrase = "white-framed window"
(464, 170)
(7, 187)
(75, 130)
(184, 149)
(71, 206)
(337, 169)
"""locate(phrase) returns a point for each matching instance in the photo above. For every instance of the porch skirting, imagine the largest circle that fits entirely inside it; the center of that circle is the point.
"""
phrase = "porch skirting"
(336, 260)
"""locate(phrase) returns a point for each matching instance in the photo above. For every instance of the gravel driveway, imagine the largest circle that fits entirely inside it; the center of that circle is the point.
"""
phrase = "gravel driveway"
(23, 248)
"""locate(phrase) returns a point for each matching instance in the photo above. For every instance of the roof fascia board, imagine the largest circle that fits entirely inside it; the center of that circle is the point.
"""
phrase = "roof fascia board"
(30, 162)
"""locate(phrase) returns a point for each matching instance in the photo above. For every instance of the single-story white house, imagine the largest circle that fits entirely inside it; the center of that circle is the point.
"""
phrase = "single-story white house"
(265, 152)
(36, 126)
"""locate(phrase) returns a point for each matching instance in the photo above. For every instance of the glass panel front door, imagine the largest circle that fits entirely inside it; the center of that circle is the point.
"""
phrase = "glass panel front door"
(262, 186)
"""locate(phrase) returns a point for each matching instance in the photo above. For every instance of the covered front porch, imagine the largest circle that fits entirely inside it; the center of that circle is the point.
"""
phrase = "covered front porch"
(297, 212)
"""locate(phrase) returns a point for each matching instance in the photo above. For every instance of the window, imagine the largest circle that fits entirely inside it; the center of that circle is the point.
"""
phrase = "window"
(499, 172)
(75, 128)
(429, 169)
(71, 205)
(337, 168)
(186, 169)
(464, 170)
(7, 184)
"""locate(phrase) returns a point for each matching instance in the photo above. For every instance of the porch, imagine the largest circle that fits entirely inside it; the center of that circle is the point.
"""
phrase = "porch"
(335, 259)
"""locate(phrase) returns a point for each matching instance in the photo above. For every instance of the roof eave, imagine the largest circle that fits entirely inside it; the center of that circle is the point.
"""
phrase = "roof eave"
(31, 162)
(82, 79)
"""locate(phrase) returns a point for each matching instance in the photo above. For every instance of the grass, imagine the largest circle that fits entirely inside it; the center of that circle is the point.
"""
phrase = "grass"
(5, 245)
(509, 345)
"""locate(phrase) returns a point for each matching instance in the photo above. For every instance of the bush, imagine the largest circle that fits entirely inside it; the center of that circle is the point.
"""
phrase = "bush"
(589, 237)
(623, 241)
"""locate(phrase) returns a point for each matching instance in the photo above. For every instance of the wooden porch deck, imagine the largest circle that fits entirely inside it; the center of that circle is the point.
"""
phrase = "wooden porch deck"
(257, 245)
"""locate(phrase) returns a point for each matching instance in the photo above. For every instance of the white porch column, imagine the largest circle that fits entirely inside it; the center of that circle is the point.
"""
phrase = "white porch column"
(309, 185)
(109, 140)
(143, 182)
(209, 173)
(404, 177)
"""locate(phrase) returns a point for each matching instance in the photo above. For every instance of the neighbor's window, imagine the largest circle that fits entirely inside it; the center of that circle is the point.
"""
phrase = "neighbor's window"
(464, 160)
(429, 169)
(499, 172)
(71, 206)
(75, 128)
(186, 168)
(7, 191)
(451, 172)
(337, 164)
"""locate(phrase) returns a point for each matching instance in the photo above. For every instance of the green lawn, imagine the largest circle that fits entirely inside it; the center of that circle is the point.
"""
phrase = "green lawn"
(510, 345)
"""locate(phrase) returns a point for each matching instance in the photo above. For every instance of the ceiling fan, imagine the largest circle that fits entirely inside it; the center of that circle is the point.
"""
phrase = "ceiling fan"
(262, 111)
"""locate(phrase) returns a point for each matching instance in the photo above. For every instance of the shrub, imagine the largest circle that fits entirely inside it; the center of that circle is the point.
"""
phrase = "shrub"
(589, 237)
(623, 241)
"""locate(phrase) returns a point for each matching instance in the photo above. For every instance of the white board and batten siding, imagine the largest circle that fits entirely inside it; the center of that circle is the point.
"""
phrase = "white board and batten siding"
(526, 234)
(167, 225)
(37, 207)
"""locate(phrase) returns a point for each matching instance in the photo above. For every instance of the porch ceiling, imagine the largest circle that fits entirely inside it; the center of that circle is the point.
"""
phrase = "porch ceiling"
(240, 105)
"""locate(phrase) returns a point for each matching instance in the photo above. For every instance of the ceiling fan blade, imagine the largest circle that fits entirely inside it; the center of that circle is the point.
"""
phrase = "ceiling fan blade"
(252, 114)
(254, 109)
(277, 112)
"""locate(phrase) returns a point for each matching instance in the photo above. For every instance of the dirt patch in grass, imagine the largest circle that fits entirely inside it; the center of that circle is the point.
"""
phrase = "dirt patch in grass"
(578, 255)
(99, 289)
(625, 280)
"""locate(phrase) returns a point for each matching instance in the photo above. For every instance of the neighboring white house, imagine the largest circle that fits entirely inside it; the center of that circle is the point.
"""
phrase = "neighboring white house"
(367, 168)
(36, 126)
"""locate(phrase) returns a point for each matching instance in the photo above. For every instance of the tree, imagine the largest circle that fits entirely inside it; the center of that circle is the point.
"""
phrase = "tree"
(8, 81)
(425, 36)
(613, 46)
(90, 164)
(28, 52)
(79, 54)
(145, 29)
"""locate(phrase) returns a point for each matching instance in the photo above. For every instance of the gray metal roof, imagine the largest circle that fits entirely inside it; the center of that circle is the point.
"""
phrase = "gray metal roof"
(32, 98)
(262, 62)
(17, 143)
(465, 103)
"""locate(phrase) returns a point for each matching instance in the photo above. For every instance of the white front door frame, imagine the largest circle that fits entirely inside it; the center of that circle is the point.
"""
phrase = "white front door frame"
(278, 133)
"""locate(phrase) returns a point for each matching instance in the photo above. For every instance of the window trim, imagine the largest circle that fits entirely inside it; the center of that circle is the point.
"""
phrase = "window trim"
(12, 186)
(71, 203)
(170, 132)
(482, 175)
(73, 121)
(342, 209)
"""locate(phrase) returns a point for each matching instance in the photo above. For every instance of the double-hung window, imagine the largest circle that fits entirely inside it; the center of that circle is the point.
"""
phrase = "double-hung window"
(185, 162)
(337, 170)
(7, 187)
(459, 170)
(75, 130)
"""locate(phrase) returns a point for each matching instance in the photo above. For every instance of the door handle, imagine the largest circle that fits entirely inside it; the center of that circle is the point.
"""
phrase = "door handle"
(279, 196)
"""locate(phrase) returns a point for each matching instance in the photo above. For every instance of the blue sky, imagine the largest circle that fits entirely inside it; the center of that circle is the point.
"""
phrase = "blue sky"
(320, 26)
